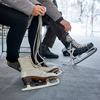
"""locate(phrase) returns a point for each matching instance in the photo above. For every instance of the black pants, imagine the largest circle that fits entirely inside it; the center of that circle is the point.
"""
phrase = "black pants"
(54, 30)
(17, 21)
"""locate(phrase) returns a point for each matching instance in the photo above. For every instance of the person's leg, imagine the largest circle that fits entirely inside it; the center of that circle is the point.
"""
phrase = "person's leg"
(66, 39)
(50, 35)
(54, 30)
(32, 36)
(17, 22)
(48, 40)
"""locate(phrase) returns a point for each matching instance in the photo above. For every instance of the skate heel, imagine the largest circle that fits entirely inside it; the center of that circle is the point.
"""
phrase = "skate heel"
(27, 80)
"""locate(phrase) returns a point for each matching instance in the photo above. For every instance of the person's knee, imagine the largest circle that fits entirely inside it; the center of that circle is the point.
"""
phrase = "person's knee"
(21, 22)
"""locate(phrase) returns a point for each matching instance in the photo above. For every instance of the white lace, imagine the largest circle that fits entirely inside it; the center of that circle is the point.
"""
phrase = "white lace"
(78, 45)
(75, 43)
(35, 65)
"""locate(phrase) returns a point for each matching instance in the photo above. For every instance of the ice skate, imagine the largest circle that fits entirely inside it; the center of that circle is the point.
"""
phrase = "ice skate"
(53, 69)
(85, 55)
(30, 72)
(78, 52)
(81, 47)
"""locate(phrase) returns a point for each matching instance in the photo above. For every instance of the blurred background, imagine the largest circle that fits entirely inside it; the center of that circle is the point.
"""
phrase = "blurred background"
(84, 16)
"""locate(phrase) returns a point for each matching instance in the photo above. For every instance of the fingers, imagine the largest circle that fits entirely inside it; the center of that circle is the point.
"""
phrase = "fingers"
(42, 10)
(39, 10)
(66, 24)
(67, 27)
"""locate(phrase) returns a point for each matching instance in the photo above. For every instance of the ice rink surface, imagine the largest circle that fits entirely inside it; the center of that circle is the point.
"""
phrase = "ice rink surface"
(80, 82)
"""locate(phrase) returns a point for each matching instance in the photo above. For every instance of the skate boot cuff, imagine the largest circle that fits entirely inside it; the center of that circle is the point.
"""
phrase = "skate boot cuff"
(67, 44)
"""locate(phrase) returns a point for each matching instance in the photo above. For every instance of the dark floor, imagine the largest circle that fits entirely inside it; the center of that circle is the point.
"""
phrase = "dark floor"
(80, 82)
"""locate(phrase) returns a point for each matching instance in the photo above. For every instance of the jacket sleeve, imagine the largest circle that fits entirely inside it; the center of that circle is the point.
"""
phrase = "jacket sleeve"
(54, 1)
(52, 10)
(25, 6)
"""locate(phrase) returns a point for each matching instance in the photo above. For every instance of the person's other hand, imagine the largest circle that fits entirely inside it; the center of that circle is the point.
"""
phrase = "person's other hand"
(66, 24)
(38, 10)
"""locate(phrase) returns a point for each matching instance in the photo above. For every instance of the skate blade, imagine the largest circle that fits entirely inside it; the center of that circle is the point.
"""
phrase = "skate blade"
(59, 72)
(40, 82)
(41, 86)
(85, 55)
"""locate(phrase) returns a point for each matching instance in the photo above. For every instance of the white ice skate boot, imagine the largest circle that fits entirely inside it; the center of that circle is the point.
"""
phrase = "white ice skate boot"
(53, 69)
(30, 72)
(77, 51)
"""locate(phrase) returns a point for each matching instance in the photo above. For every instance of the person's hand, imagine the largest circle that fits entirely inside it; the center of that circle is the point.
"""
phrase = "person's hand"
(66, 24)
(38, 10)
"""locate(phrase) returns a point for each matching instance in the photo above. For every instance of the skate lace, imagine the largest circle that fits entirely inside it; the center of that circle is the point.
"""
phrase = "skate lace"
(71, 51)
(35, 65)
(77, 44)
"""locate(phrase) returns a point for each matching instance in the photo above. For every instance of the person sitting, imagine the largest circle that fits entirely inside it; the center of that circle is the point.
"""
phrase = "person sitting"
(57, 30)
(16, 14)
